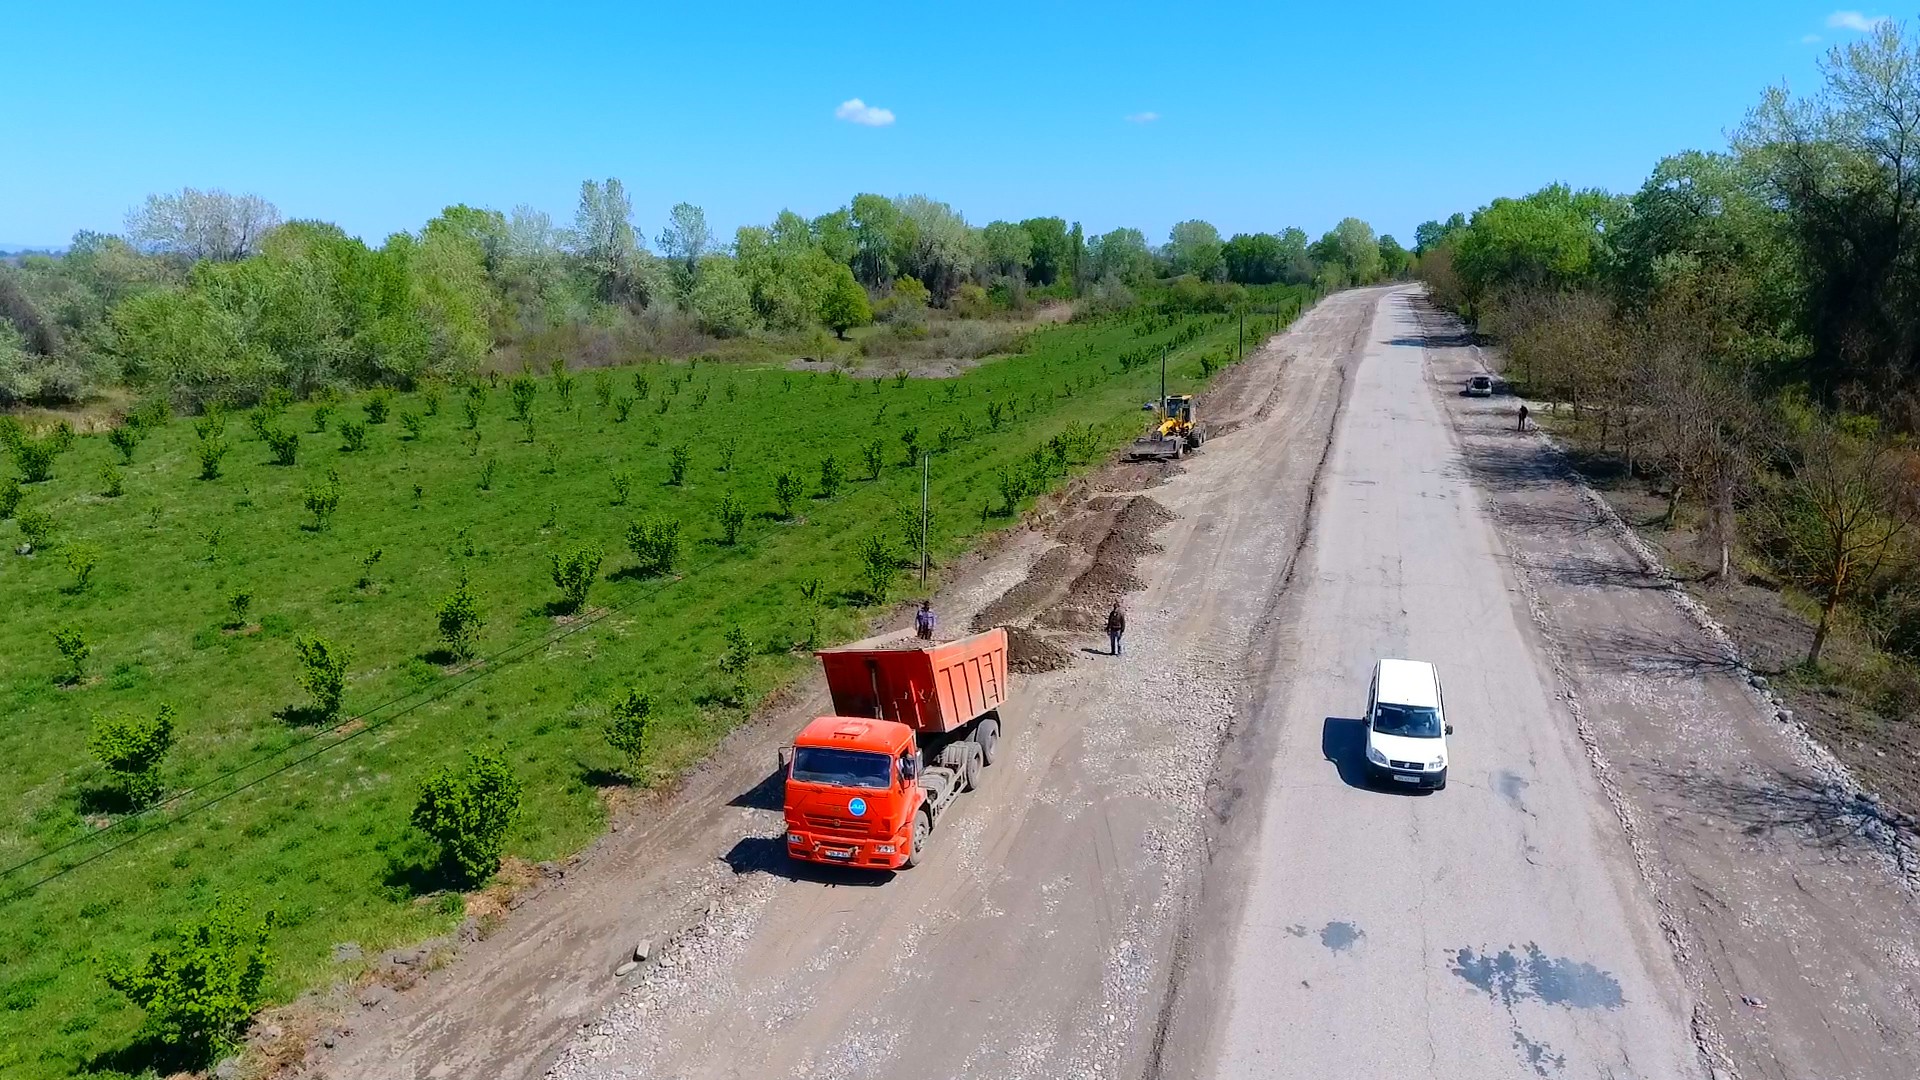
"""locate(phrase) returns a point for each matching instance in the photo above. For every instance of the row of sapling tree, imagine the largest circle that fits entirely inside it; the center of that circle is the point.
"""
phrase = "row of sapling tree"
(1729, 334)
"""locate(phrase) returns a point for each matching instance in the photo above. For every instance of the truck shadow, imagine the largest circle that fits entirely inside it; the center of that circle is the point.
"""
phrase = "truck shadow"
(769, 794)
(768, 855)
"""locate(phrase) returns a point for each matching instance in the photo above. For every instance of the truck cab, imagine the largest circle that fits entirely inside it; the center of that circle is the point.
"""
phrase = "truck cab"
(852, 796)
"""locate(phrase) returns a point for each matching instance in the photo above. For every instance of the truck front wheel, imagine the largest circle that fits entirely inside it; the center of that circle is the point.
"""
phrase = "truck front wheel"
(922, 826)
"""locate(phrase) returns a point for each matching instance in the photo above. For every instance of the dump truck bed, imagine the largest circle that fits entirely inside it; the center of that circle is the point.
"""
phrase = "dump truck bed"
(937, 688)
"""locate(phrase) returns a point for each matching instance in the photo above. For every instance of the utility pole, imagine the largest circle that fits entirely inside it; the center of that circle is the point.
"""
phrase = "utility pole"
(1243, 334)
(1163, 382)
(926, 474)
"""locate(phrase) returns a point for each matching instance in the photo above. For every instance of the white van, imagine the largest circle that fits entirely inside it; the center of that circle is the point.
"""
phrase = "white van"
(1407, 725)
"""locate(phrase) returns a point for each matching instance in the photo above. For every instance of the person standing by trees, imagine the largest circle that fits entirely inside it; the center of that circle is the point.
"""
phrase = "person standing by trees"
(1523, 417)
(1116, 628)
(923, 621)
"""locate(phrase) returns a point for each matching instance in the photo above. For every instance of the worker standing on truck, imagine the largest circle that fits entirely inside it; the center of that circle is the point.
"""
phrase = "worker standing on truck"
(1116, 627)
(923, 621)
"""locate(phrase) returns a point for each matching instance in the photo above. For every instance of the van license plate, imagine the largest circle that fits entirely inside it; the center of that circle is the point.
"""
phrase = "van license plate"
(1403, 777)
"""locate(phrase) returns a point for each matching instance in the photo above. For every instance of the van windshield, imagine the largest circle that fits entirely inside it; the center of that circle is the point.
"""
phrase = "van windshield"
(842, 768)
(1408, 721)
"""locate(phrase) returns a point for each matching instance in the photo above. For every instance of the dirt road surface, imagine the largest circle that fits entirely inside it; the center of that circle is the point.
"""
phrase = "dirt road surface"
(1036, 940)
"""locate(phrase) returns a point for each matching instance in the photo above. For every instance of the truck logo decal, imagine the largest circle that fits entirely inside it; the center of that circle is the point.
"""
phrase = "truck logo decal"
(858, 807)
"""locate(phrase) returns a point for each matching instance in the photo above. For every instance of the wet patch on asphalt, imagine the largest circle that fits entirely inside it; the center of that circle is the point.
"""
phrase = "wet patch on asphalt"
(1340, 936)
(1538, 1055)
(1531, 974)
(1511, 786)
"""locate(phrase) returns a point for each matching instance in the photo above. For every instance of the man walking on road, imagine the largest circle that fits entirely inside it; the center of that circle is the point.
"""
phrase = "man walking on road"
(923, 621)
(1523, 418)
(1116, 626)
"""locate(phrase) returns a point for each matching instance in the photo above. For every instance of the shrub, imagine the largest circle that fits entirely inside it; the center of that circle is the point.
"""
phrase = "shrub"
(573, 574)
(323, 673)
(467, 812)
(910, 439)
(562, 380)
(10, 495)
(527, 428)
(472, 408)
(430, 400)
(11, 432)
(487, 469)
(212, 421)
(81, 561)
(640, 385)
(622, 487)
(367, 562)
(677, 459)
(413, 422)
(460, 619)
(131, 750)
(322, 499)
(734, 662)
(655, 544)
(786, 488)
(125, 439)
(996, 414)
(731, 515)
(899, 380)
(603, 388)
(553, 458)
(876, 567)
(285, 446)
(727, 449)
(875, 454)
(524, 390)
(832, 475)
(810, 592)
(74, 648)
(322, 413)
(212, 450)
(37, 527)
(35, 458)
(632, 714)
(379, 402)
(200, 991)
(241, 601)
(622, 408)
(112, 485)
(353, 436)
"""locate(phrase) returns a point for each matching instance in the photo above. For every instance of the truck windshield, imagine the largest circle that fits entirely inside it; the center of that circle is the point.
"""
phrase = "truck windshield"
(842, 768)
(1410, 721)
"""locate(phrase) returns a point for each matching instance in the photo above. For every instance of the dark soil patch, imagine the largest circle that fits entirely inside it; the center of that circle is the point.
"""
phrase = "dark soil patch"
(1030, 653)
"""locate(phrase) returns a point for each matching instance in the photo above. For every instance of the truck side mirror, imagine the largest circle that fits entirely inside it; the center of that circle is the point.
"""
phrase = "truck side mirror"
(786, 758)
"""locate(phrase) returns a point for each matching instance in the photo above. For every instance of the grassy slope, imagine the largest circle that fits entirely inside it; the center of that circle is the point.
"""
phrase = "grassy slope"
(325, 842)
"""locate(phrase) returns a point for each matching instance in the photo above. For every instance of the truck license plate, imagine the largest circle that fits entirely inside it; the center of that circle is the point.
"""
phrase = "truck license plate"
(837, 853)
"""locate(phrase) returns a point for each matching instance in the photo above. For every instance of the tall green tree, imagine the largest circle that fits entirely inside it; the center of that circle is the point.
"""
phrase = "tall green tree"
(1193, 247)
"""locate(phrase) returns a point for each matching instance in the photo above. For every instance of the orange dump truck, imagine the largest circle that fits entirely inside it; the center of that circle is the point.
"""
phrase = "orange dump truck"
(911, 730)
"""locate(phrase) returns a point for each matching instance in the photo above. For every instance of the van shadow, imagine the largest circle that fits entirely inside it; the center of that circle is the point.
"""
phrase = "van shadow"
(768, 855)
(1343, 741)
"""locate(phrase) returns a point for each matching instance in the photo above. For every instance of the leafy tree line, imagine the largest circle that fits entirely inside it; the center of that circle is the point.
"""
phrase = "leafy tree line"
(1743, 330)
(212, 297)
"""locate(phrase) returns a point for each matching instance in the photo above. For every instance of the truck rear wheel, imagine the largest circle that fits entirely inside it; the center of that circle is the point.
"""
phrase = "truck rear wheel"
(988, 736)
(922, 827)
(970, 772)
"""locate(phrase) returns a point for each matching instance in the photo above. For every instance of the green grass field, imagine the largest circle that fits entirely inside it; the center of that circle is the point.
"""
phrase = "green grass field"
(311, 821)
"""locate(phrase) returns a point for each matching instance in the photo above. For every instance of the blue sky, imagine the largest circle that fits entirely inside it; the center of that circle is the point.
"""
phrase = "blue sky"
(1264, 114)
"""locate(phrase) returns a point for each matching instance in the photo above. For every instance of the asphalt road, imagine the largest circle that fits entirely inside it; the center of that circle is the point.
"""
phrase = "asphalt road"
(1498, 928)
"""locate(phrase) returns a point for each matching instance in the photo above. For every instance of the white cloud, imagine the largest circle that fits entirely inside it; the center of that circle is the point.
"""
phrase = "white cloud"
(1143, 117)
(1854, 20)
(855, 111)
(1810, 39)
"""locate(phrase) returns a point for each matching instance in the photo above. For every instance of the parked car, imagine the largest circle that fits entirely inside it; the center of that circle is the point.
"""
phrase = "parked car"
(1407, 725)
(1480, 386)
